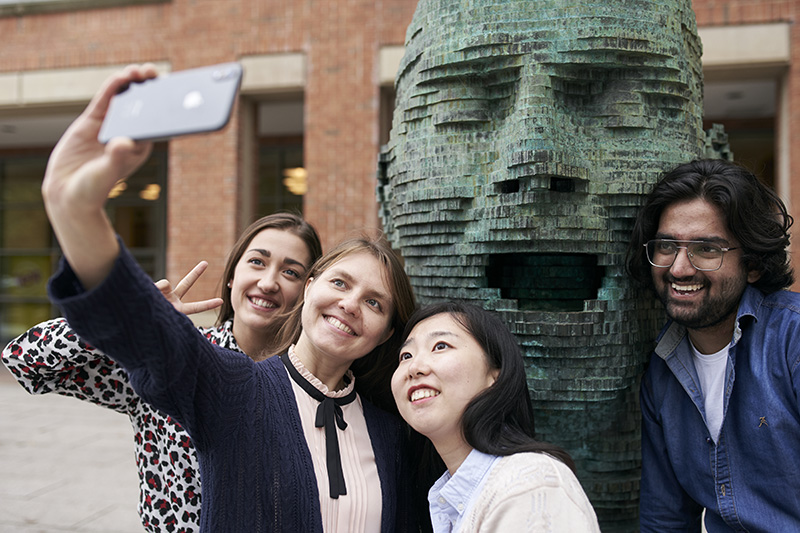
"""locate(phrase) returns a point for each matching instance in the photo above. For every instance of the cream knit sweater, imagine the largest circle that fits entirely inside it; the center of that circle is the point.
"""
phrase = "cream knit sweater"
(530, 492)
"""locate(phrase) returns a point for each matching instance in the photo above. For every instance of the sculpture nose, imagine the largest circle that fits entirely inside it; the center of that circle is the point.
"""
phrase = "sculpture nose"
(540, 149)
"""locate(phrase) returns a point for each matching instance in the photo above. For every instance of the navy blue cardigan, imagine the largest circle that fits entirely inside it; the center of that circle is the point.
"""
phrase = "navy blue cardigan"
(255, 465)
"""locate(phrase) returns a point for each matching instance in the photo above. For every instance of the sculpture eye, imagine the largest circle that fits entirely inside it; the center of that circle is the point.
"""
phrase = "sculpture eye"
(471, 94)
(631, 96)
(576, 87)
(666, 101)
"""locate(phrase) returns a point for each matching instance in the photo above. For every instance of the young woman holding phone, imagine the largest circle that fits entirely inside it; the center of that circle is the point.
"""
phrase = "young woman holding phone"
(262, 281)
(284, 444)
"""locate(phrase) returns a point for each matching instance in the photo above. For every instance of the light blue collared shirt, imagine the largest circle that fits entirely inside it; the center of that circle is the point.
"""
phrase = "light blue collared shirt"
(451, 496)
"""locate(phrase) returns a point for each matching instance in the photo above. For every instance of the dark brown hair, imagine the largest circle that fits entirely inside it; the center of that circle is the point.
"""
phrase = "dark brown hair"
(290, 222)
(753, 213)
(499, 420)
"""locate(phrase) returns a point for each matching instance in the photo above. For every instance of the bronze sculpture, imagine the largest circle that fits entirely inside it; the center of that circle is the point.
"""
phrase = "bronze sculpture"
(524, 137)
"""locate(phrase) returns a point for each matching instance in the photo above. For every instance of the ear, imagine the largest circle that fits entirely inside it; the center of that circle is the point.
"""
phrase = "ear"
(492, 375)
(753, 276)
(230, 283)
(308, 284)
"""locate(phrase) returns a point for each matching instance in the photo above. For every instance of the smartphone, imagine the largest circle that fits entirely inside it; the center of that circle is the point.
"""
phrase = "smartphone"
(190, 101)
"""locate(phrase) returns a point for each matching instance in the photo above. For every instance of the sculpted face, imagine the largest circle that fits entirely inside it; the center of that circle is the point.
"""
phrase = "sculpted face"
(524, 137)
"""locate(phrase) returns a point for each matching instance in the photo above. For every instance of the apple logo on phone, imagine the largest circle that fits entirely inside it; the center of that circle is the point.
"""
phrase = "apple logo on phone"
(136, 108)
(193, 100)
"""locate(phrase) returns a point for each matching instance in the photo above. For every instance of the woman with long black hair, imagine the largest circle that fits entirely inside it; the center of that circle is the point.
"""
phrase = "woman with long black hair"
(461, 383)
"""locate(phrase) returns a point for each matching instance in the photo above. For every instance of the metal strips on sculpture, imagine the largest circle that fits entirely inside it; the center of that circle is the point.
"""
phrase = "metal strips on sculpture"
(524, 137)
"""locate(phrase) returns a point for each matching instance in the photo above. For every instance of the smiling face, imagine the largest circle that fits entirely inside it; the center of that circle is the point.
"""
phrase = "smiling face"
(441, 369)
(699, 299)
(347, 312)
(267, 281)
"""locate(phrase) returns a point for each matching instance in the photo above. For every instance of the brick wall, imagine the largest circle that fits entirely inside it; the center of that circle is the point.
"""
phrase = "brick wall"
(732, 12)
(341, 41)
(737, 12)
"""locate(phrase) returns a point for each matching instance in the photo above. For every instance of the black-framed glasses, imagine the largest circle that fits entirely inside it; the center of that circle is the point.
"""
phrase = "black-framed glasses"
(702, 255)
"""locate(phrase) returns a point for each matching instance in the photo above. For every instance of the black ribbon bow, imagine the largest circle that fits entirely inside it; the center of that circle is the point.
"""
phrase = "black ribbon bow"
(329, 416)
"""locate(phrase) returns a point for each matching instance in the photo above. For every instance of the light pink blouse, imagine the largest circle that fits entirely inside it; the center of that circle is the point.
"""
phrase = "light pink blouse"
(360, 509)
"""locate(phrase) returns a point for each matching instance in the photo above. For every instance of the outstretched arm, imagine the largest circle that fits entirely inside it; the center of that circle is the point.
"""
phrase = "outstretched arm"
(81, 172)
(111, 302)
(50, 357)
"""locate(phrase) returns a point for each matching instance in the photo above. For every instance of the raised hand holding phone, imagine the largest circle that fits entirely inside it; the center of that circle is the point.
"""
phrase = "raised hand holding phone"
(185, 102)
(80, 173)
(111, 139)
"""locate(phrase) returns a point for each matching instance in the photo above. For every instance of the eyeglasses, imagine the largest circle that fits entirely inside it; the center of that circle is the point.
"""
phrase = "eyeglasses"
(702, 255)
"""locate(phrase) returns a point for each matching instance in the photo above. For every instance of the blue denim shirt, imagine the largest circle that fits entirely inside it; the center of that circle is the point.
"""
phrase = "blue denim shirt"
(750, 479)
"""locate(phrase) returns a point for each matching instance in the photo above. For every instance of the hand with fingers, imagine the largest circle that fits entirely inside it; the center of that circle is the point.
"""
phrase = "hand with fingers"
(80, 173)
(175, 296)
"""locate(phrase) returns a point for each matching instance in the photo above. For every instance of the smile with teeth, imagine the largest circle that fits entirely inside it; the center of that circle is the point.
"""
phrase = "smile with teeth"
(419, 394)
(686, 288)
(260, 302)
(335, 322)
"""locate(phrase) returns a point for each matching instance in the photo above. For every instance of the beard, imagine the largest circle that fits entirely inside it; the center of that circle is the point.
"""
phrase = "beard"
(720, 301)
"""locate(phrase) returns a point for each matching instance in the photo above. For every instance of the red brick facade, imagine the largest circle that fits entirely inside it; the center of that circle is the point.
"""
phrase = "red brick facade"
(340, 42)
(732, 13)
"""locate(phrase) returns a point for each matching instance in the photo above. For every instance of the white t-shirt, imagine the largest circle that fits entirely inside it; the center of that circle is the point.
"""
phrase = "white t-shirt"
(711, 371)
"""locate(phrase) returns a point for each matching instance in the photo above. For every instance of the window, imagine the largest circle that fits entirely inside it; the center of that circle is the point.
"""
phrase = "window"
(29, 252)
(282, 179)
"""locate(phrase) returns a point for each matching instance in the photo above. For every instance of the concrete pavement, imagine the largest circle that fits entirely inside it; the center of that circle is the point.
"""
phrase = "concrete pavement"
(65, 465)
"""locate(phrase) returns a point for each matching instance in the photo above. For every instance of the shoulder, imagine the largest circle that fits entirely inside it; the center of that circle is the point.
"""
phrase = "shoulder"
(273, 374)
(528, 473)
(531, 492)
(221, 335)
(781, 301)
(778, 312)
(273, 364)
(532, 470)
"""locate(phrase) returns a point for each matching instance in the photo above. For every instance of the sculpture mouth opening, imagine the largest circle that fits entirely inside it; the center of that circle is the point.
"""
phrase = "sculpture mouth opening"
(546, 282)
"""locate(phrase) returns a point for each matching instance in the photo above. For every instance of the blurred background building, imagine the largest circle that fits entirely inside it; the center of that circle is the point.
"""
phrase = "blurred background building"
(314, 108)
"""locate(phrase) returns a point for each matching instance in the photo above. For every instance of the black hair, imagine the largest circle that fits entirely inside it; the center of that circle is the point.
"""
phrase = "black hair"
(753, 213)
(499, 420)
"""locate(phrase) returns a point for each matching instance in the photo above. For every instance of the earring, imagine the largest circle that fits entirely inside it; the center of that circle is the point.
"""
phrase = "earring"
(230, 284)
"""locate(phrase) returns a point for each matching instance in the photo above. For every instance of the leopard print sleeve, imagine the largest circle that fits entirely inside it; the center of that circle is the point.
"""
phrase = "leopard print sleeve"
(50, 357)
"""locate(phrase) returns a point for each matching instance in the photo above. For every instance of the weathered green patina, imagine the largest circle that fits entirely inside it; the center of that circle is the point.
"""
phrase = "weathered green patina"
(524, 136)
